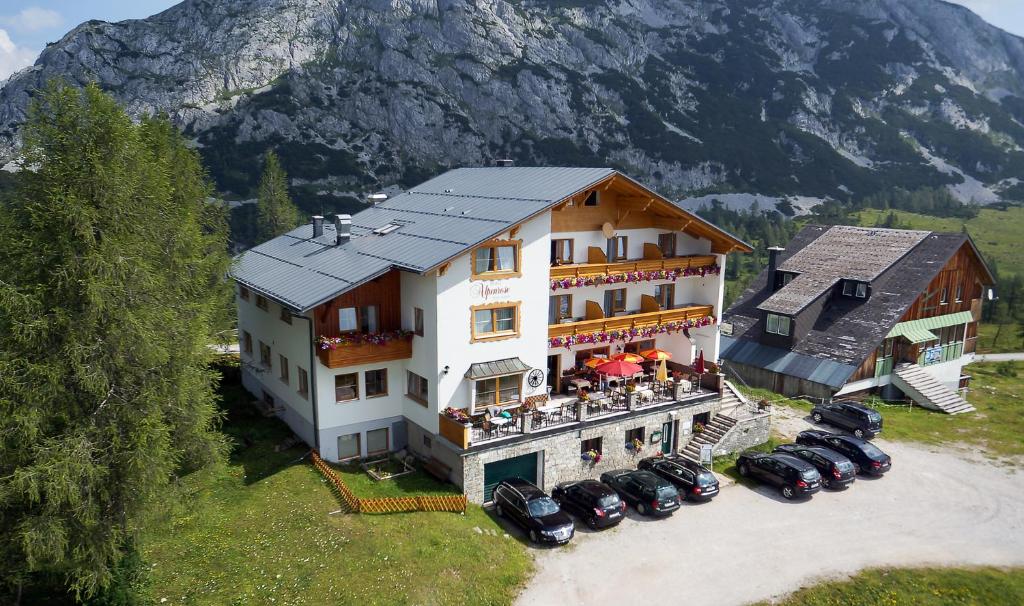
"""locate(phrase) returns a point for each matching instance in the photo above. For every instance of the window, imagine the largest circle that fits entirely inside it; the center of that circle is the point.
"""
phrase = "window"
(591, 444)
(785, 278)
(944, 297)
(778, 325)
(426, 441)
(559, 308)
(303, 382)
(592, 199)
(498, 391)
(634, 434)
(667, 244)
(855, 289)
(417, 321)
(348, 446)
(417, 388)
(377, 441)
(285, 377)
(614, 301)
(286, 315)
(637, 346)
(959, 293)
(665, 294)
(346, 387)
(497, 320)
(261, 302)
(264, 354)
(247, 342)
(362, 319)
(498, 259)
(376, 382)
(243, 293)
(561, 252)
(617, 248)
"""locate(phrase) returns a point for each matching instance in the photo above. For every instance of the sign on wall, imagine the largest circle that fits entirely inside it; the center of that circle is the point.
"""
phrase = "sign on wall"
(933, 355)
(489, 291)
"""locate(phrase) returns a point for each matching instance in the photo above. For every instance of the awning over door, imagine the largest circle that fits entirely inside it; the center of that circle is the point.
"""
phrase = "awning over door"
(484, 370)
(919, 331)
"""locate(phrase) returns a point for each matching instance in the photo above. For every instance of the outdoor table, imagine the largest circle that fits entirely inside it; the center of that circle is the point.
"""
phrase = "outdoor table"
(646, 395)
(579, 383)
(499, 422)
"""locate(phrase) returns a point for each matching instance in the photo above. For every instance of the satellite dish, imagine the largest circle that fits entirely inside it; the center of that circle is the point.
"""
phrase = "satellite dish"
(608, 230)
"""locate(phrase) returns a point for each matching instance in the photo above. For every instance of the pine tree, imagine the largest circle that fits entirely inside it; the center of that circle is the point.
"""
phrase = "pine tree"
(111, 285)
(276, 214)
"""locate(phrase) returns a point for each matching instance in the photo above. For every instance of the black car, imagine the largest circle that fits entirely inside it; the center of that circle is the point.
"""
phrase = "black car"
(836, 470)
(694, 481)
(648, 493)
(794, 477)
(867, 458)
(854, 417)
(539, 515)
(595, 503)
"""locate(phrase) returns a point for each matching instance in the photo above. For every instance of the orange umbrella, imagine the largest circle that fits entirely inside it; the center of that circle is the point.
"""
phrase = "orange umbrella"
(656, 354)
(628, 357)
(594, 362)
(618, 368)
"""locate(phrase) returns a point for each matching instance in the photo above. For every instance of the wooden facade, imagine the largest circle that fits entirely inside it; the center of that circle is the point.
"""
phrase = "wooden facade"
(383, 292)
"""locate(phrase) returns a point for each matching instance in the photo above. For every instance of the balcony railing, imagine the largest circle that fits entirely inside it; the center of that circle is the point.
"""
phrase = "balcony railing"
(364, 349)
(677, 264)
(479, 429)
(652, 319)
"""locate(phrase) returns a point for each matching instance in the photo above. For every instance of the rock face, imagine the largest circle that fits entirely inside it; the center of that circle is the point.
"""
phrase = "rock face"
(826, 98)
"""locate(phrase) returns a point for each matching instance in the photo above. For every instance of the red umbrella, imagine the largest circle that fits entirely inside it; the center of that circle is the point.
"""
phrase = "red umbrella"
(619, 368)
(698, 366)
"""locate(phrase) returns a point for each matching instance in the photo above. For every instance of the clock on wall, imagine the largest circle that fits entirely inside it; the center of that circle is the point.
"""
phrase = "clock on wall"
(535, 378)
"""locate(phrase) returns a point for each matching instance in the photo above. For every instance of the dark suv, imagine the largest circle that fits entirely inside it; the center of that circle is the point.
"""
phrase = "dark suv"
(854, 417)
(836, 470)
(595, 503)
(694, 481)
(866, 457)
(794, 477)
(648, 493)
(526, 505)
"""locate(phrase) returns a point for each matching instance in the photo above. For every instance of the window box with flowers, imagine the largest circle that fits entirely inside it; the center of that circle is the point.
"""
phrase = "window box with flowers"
(636, 445)
(591, 456)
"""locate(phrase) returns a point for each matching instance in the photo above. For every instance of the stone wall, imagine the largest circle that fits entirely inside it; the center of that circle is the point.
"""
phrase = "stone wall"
(745, 434)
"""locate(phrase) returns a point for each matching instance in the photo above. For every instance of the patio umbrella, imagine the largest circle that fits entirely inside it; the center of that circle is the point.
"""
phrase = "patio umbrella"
(594, 362)
(619, 368)
(698, 367)
(656, 354)
(662, 374)
(628, 357)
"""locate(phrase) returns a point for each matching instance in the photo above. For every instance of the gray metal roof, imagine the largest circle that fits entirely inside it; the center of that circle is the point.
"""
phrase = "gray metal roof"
(508, 366)
(783, 361)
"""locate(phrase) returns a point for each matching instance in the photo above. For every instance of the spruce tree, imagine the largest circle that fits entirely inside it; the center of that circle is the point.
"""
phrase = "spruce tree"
(276, 214)
(112, 281)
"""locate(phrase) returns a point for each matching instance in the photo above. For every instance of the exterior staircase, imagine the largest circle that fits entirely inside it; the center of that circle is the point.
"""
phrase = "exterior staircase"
(926, 391)
(733, 402)
(712, 434)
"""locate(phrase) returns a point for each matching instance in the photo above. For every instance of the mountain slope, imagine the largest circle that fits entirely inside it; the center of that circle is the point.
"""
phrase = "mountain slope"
(784, 97)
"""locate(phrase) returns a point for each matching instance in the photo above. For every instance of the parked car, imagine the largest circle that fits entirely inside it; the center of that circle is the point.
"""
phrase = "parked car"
(595, 503)
(860, 420)
(793, 476)
(867, 458)
(648, 493)
(693, 481)
(537, 513)
(836, 470)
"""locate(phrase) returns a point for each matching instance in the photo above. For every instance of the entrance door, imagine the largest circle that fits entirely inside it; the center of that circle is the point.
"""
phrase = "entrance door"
(666, 437)
(524, 467)
(555, 373)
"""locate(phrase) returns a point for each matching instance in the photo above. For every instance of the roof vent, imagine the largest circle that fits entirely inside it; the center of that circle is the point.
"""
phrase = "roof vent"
(378, 197)
(503, 162)
(387, 229)
(342, 228)
(318, 226)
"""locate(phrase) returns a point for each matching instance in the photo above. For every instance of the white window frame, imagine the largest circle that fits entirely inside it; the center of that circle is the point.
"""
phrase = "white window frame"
(775, 322)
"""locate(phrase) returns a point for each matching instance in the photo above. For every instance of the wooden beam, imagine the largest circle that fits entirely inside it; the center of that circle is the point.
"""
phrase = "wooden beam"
(443, 269)
(514, 231)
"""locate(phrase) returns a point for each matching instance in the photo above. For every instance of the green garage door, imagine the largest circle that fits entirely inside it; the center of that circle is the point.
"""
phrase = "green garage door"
(524, 467)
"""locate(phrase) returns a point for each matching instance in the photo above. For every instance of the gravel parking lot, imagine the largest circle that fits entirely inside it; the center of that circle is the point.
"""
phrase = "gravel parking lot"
(936, 507)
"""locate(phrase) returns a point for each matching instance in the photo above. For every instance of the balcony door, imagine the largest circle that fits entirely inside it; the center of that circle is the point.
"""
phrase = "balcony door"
(358, 319)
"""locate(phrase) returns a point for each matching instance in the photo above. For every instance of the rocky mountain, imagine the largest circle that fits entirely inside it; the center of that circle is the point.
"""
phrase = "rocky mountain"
(819, 98)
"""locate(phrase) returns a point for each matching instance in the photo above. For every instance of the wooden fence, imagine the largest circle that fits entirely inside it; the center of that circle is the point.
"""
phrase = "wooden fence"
(454, 503)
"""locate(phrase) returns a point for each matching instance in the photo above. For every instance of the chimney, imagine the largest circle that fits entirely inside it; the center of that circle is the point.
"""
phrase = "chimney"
(773, 264)
(343, 228)
(318, 226)
(503, 162)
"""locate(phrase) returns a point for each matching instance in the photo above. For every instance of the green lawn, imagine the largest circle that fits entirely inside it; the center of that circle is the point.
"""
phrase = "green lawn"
(260, 531)
(1009, 338)
(917, 586)
(997, 428)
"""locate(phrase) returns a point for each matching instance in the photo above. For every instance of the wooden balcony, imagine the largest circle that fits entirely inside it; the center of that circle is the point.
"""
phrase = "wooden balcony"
(581, 270)
(626, 322)
(365, 353)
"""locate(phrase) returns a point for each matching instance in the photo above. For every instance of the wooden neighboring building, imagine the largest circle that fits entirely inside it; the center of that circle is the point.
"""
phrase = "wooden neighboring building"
(846, 310)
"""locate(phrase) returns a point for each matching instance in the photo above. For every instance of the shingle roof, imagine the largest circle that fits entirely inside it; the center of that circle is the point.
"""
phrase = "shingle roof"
(850, 329)
(437, 221)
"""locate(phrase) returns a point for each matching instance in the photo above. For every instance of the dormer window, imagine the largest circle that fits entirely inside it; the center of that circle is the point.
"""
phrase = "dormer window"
(778, 325)
(855, 289)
